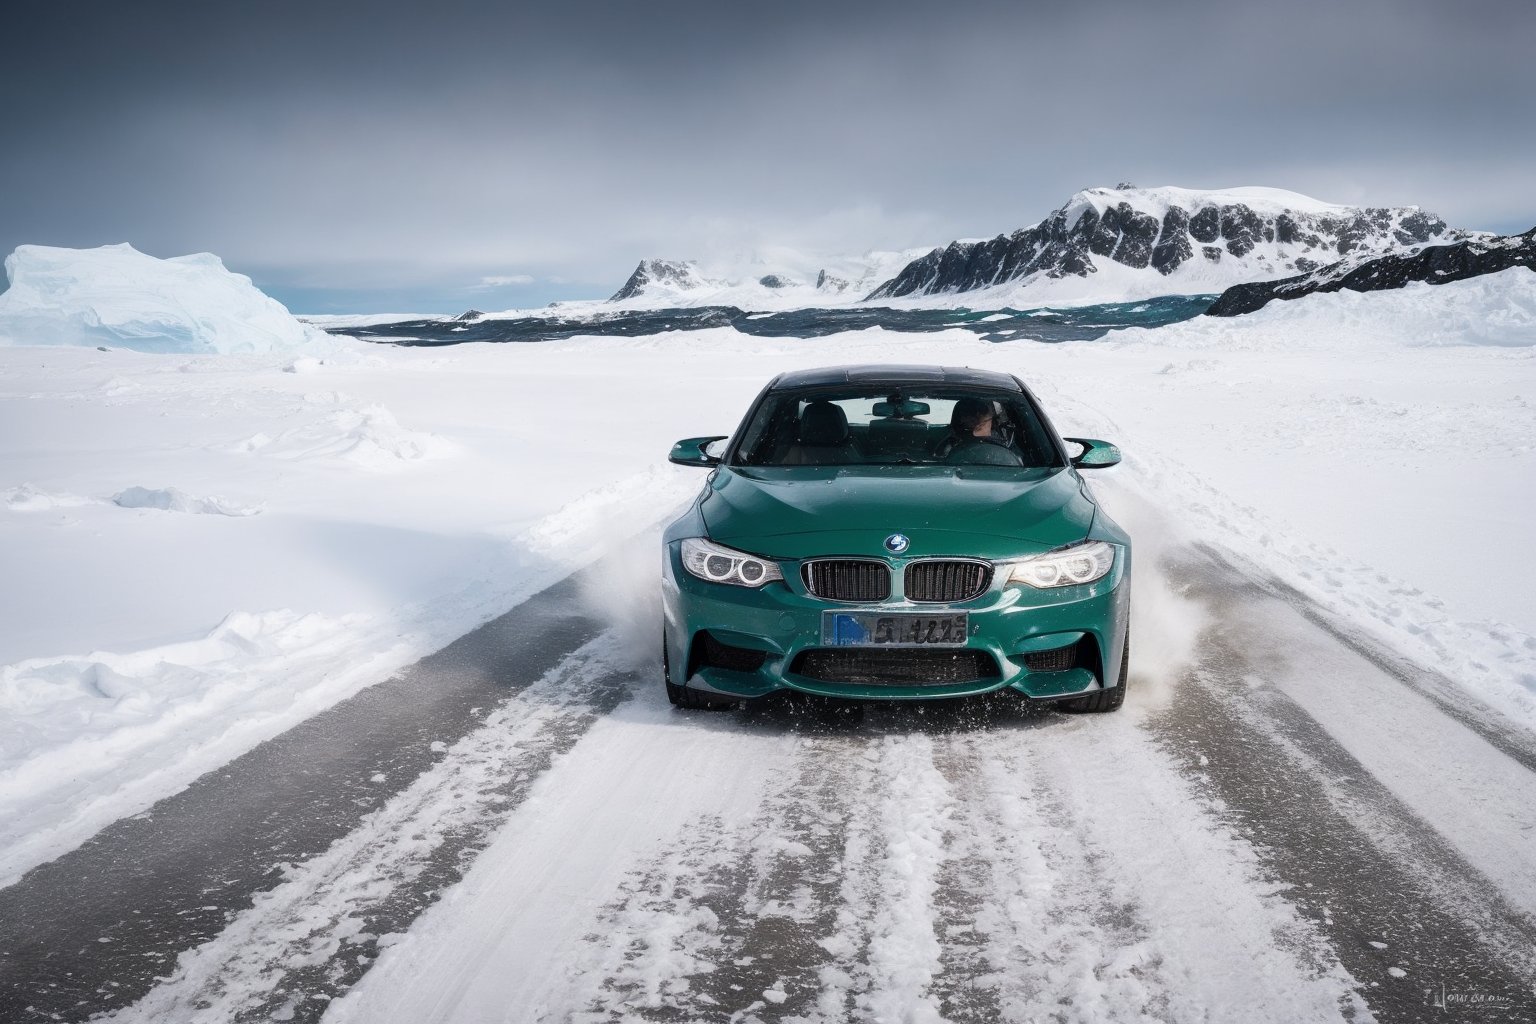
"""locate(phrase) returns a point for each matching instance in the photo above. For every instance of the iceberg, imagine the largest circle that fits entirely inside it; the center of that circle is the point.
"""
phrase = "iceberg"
(116, 296)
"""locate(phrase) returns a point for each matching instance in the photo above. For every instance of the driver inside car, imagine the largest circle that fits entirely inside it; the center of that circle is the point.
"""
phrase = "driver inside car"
(977, 436)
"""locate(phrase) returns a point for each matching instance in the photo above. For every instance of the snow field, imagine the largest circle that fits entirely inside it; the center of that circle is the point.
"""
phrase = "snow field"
(211, 633)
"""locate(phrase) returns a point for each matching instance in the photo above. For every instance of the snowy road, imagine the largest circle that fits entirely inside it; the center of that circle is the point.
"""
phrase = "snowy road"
(1293, 826)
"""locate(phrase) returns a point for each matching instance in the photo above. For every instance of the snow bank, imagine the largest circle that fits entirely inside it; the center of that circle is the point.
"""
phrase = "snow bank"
(119, 297)
(26, 498)
(368, 437)
(1495, 309)
(173, 499)
(84, 737)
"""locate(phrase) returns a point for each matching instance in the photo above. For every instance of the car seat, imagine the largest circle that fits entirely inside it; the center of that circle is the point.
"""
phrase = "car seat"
(824, 438)
(893, 435)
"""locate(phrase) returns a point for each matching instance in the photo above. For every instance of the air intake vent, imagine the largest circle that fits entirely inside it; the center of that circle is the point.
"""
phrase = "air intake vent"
(712, 653)
(946, 580)
(1059, 660)
(848, 579)
(866, 667)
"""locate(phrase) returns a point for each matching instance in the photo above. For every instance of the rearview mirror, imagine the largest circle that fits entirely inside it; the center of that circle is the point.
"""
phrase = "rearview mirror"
(690, 452)
(904, 410)
(1095, 454)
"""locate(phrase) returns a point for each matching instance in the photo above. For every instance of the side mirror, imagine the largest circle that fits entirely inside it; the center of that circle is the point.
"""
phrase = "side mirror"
(690, 452)
(1095, 454)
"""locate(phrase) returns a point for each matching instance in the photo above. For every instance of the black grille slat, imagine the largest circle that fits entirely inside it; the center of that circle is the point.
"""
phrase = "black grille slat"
(946, 580)
(847, 579)
(874, 667)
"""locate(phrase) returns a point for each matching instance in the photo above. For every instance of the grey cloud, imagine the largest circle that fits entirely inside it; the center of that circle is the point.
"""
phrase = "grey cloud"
(395, 147)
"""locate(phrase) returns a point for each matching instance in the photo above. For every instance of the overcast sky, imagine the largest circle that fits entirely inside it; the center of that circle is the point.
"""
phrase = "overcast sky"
(387, 156)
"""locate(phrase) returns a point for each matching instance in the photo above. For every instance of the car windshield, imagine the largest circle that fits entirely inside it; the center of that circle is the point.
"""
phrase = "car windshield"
(896, 426)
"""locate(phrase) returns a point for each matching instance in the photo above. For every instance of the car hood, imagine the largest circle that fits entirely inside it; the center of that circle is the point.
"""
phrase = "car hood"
(981, 511)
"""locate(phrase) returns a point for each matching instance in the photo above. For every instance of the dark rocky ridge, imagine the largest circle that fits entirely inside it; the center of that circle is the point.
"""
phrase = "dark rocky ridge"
(1434, 264)
(1067, 242)
(830, 282)
(650, 272)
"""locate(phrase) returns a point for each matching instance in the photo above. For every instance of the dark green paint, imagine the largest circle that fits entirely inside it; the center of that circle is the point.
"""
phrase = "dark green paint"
(975, 511)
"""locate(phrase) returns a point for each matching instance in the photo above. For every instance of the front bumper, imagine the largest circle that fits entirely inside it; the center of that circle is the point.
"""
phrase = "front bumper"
(783, 620)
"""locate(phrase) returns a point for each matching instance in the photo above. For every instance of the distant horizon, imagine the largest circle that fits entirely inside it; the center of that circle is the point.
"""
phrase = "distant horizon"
(317, 299)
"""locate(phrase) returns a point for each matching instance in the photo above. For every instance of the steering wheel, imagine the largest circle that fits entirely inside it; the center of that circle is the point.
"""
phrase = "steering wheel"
(981, 451)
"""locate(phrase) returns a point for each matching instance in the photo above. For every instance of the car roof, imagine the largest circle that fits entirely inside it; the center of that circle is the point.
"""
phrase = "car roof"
(894, 374)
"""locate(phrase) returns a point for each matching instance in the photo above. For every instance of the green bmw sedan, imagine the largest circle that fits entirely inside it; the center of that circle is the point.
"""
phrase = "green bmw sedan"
(896, 533)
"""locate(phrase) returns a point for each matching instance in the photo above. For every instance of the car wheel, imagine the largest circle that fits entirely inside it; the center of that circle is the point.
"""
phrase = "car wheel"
(681, 696)
(1104, 701)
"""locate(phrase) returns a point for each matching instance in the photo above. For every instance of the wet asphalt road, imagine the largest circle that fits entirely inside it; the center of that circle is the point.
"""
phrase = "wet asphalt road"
(94, 930)
(1302, 799)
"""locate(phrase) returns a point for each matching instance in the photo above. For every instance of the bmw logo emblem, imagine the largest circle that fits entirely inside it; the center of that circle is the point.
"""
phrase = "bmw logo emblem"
(896, 543)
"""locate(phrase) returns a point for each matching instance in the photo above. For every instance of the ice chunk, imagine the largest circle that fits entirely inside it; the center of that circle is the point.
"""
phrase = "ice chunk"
(119, 297)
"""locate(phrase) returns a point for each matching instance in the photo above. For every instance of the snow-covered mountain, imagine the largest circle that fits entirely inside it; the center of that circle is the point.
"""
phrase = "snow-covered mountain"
(1123, 243)
(1431, 264)
(654, 275)
(778, 278)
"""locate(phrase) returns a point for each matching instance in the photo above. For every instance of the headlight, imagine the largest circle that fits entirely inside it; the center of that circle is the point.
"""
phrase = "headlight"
(719, 564)
(1067, 567)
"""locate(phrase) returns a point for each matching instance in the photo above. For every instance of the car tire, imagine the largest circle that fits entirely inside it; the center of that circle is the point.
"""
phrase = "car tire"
(681, 696)
(1104, 701)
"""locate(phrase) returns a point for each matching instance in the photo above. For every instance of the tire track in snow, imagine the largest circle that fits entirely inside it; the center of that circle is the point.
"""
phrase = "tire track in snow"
(893, 884)
(1404, 910)
(967, 983)
(1456, 702)
(310, 939)
(822, 910)
(776, 922)
(734, 924)
(1033, 932)
(1165, 912)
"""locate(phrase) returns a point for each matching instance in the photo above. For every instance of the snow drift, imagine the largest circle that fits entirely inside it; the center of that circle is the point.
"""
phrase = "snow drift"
(119, 297)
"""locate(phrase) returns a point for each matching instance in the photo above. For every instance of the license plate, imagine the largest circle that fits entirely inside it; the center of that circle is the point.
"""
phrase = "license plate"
(872, 629)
